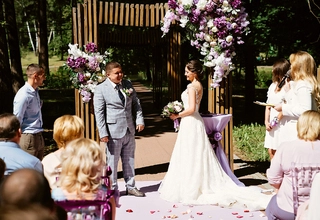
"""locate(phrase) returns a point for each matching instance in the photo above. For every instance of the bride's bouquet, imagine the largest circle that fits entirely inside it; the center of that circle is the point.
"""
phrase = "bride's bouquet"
(173, 108)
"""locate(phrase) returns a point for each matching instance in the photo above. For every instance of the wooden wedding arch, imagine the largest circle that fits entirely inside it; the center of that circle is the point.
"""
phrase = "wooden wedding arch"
(94, 21)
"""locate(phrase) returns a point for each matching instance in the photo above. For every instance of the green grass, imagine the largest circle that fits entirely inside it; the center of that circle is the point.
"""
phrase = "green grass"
(30, 57)
(249, 140)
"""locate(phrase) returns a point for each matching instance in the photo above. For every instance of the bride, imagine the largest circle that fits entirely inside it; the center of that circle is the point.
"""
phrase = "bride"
(194, 175)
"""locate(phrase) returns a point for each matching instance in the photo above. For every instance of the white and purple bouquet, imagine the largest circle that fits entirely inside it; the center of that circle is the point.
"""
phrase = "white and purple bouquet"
(213, 27)
(87, 68)
(173, 108)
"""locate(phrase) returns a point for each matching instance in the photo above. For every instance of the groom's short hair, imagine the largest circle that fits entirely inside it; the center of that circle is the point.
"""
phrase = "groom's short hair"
(111, 65)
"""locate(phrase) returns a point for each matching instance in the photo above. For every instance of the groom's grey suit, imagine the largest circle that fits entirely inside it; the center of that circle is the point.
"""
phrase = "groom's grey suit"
(117, 122)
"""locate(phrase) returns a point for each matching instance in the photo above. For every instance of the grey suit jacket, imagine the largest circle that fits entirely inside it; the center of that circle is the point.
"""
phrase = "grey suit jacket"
(112, 118)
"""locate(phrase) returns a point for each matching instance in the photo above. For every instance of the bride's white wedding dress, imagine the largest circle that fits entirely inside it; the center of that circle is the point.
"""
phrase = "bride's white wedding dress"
(195, 175)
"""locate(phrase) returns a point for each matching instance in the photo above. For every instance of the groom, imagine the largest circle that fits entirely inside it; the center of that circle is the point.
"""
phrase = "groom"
(117, 109)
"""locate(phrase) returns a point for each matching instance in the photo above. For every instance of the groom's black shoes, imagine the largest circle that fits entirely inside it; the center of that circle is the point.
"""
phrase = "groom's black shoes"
(135, 192)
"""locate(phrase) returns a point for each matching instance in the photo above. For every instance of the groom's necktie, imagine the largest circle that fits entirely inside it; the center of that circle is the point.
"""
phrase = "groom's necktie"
(121, 96)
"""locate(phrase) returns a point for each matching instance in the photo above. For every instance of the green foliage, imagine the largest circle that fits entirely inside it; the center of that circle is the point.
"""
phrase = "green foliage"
(58, 80)
(263, 79)
(249, 139)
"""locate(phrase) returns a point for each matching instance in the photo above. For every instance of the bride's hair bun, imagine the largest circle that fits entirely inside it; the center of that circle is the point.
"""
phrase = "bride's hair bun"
(195, 66)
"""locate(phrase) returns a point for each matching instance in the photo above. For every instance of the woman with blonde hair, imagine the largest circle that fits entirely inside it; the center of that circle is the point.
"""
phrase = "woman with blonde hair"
(305, 149)
(302, 96)
(80, 178)
(65, 129)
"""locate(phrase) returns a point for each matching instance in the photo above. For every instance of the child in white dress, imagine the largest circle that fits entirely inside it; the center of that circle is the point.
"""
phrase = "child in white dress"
(275, 95)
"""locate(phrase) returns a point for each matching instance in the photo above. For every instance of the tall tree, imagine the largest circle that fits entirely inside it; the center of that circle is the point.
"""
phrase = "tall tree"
(13, 42)
(43, 38)
(6, 90)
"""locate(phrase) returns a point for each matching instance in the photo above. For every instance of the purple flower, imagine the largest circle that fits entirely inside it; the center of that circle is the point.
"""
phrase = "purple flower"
(93, 63)
(91, 48)
(81, 77)
(86, 96)
(217, 136)
(213, 27)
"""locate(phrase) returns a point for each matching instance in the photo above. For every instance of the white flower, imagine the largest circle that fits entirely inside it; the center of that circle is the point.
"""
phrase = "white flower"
(225, 3)
(183, 21)
(214, 29)
(207, 37)
(234, 25)
(209, 63)
(210, 23)
(229, 38)
(88, 74)
(74, 51)
(201, 5)
(213, 43)
(187, 2)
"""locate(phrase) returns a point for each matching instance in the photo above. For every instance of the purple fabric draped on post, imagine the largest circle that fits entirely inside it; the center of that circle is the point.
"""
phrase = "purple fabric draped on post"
(214, 124)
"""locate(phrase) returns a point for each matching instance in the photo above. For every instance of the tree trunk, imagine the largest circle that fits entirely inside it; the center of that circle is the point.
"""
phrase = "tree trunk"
(13, 42)
(6, 91)
(249, 81)
(43, 43)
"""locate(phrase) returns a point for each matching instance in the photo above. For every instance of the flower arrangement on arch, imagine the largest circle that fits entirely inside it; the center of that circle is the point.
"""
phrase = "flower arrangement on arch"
(213, 27)
(87, 68)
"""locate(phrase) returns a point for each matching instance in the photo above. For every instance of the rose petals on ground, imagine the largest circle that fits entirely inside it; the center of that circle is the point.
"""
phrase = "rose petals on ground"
(129, 210)
(152, 212)
(246, 210)
(239, 216)
(234, 213)
(199, 213)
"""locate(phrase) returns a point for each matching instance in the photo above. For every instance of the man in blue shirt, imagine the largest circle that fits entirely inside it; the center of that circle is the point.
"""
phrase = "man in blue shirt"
(14, 157)
(27, 107)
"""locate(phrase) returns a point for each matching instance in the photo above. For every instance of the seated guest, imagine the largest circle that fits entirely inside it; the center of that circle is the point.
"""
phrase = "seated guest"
(29, 212)
(25, 187)
(65, 128)
(80, 178)
(14, 157)
(309, 209)
(305, 149)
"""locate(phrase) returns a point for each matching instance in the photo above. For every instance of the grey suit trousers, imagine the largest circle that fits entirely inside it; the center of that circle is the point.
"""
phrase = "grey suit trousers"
(124, 148)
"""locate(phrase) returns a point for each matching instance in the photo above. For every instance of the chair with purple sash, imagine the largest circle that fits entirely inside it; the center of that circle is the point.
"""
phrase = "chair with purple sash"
(99, 208)
(214, 124)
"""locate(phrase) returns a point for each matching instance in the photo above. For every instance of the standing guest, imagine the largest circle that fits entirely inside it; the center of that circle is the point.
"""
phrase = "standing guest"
(27, 107)
(304, 94)
(305, 149)
(273, 119)
(65, 129)
(28, 187)
(195, 175)
(117, 109)
(80, 177)
(11, 153)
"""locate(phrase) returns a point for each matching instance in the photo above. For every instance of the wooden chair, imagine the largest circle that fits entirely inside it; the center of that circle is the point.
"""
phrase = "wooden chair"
(302, 177)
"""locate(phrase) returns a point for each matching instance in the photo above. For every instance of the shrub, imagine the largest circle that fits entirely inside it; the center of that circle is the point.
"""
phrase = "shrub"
(249, 139)
(58, 80)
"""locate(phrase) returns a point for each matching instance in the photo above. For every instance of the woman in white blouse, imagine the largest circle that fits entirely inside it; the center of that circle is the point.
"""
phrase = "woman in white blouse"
(302, 96)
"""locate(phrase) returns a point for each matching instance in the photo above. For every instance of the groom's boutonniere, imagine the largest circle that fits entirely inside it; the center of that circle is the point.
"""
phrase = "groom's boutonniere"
(127, 91)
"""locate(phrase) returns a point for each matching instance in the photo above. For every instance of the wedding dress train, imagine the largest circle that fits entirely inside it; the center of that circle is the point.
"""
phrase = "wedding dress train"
(195, 176)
